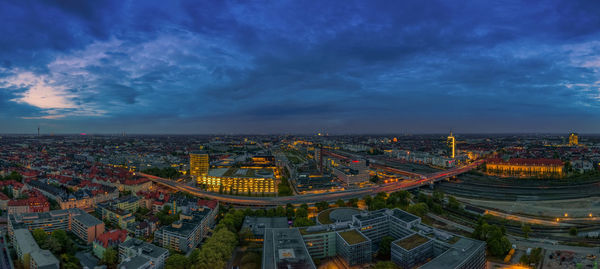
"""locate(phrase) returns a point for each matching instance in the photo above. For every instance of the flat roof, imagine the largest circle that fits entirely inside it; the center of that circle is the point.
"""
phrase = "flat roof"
(25, 241)
(456, 255)
(412, 241)
(285, 248)
(148, 249)
(352, 237)
(332, 215)
(371, 215)
(44, 258)
(87, 219)
(257, 225)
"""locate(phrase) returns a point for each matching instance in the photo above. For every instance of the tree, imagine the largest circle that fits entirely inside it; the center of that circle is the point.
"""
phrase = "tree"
(526, 230)
(374, 179)
(40, 236)
(280, 211)
(322, 205)
(368, 200)
(53, 245)
(177, 261)
(251, 260)
(340, 203)
(573, 231)
(303, 222)
(453, 203)
(110, 258)
(385, 248)
(301, 213)
(419, 209)
(386, 265)
(353, 202)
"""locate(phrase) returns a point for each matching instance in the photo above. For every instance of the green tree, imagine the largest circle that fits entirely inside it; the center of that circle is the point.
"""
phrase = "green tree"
(177, 261)
(340, 203)
(301, 213)
(419, 209)
(110, 258)
(385, 248)
(40, 236)
(251, 260)
(353, 202)
(303, 222)
(385, 265)
(280, 211)
(322, 205)
(573, 231)
(453, 203)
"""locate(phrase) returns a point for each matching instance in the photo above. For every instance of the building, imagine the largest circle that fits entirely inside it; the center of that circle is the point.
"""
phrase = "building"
(43, 259)
(239, 181)
(573, 139)
(411, 250)
(63, 219)
(354, 173)
(136, 262)
(285, 248)
(199, 164)
(451, 146)
(107, 240)
(186, 233)
(29, 205)
(414, 245)
(30, 253)
(523, 168)
(137, 248)
(115, 215)
(258, 225)
(87, 227)
(129, 203)
(354, 247)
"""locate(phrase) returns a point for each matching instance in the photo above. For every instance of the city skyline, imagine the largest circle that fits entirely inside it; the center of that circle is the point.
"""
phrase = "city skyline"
(290, 67)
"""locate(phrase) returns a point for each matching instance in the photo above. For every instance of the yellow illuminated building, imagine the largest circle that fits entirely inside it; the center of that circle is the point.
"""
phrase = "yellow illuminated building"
(198, 164)
(452, 145)
(573, 139)
(231, 181)
(525, 167)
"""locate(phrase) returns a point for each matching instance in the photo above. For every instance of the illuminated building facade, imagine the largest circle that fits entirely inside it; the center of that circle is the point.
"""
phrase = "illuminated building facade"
(198, 164)
(239, 181)
(518, 167)
(451, 145)
(573, 139)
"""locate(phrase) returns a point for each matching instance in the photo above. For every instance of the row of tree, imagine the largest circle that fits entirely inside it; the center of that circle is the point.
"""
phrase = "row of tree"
(495, 237)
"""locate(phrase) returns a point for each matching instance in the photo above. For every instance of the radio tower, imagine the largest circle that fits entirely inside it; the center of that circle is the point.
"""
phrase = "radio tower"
(38, 131)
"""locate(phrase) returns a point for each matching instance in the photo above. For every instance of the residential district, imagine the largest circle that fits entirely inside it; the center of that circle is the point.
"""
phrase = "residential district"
(312, 201)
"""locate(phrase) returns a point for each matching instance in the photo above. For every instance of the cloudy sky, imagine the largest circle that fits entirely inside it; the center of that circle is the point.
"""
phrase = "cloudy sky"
(299, 66)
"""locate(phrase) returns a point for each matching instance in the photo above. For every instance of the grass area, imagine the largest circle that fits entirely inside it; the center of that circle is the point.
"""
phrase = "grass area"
(324, 216)
(412, 241)
(353, 237)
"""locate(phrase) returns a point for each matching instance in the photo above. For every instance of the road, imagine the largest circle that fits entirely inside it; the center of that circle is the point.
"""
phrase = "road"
(313, 198)
(5, 262)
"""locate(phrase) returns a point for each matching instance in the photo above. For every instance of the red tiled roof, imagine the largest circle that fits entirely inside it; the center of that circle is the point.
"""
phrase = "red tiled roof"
(112, 237)
(212, 204)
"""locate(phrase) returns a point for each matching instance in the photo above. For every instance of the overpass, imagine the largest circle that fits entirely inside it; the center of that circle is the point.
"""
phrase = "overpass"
(312, 198)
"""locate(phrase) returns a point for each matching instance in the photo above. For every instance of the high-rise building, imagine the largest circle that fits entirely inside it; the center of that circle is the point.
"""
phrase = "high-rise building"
(319, 157)
(451, 145)
(198, 164)
(573, 139)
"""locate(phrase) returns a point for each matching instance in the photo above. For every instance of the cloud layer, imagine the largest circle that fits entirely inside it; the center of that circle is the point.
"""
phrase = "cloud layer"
(289, 66)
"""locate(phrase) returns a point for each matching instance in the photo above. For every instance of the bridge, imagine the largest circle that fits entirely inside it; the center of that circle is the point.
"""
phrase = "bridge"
(313, 198)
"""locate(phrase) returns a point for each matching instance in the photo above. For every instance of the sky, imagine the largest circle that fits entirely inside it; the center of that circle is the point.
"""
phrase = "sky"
(214, 67)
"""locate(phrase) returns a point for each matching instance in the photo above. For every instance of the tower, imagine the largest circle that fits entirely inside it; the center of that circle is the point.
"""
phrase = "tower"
(319, 157)
(451, 142)
(573, 139)
(38, 130)
(198, 165)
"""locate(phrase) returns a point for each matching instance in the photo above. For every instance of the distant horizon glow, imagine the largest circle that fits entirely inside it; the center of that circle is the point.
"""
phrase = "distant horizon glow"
(338, 67)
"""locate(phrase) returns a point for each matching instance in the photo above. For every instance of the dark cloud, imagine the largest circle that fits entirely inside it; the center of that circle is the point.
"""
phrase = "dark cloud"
(347, 66)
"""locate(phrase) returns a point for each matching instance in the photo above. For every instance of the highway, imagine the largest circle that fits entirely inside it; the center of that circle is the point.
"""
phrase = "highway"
(313, 198)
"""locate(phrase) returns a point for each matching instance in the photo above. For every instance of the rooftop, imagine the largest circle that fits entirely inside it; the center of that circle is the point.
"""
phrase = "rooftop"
(411, 241)
(258, 224)
(25, 241)
(44, 258)
(352, 237)
(285, 248)
(456, 255)
(87, 219)
(150, 250)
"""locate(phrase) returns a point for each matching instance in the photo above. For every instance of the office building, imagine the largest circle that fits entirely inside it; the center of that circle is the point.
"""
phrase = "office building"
(109, 211)
(137, 248)
(258, 225)
(525, 168)
(43, 259)
(199, 164)
(285, 248)
(87, 227)
(240, 181)
(411, 250)
(354, 247)
(30, 253)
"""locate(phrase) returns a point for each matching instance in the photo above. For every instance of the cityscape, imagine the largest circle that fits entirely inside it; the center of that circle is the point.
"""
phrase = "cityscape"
(299, 134)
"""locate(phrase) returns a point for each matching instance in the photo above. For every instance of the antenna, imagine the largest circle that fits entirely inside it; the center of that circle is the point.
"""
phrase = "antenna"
(38, 130)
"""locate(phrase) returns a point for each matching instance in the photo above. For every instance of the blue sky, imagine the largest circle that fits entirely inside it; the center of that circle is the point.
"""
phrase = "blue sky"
(299, 66)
